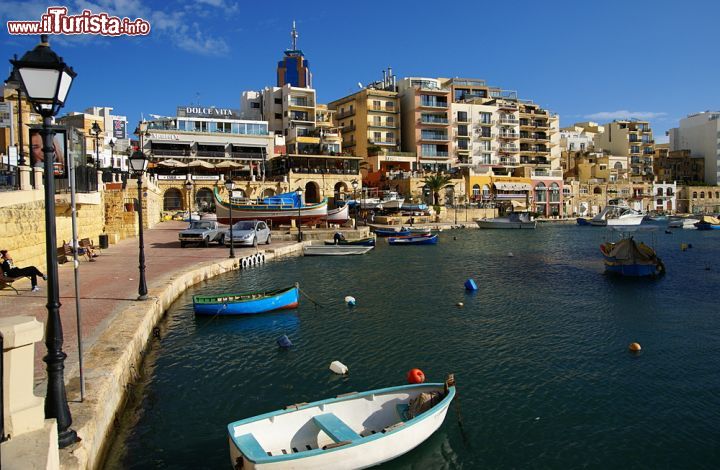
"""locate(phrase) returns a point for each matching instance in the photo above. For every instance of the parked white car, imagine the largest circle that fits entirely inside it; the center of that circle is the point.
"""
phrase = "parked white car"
(249, 232)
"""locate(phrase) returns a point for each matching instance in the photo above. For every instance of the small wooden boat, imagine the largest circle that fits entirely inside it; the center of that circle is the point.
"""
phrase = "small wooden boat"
(278, 209)
(627, 257)
(390, 232)
(708, 223)
(414, 240)
(335, 250)
(369, 241)
(247, 304)
(514, 220)
(354, 430)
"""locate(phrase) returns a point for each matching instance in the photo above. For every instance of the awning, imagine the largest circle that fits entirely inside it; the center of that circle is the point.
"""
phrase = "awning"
(155, 143)
(502, 186)
(518, 205)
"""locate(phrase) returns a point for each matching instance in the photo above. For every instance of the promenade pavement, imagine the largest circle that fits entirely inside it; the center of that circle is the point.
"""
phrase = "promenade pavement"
(109, 285)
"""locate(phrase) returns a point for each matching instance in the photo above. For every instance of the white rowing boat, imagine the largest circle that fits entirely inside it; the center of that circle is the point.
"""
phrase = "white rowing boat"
(355, 430)
(335, 250)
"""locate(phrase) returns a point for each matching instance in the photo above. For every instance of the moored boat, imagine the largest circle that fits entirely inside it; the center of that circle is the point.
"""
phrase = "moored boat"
(617, 212)
(414, 240)
(708, 223)
(627, 257)
(276, 209)
(369, 241)
(683, 222)
(247, 303)
(354, 430)
(390, 232)
(514, 220)
(335, 250)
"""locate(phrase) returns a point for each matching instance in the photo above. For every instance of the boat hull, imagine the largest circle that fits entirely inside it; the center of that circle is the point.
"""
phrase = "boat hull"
(225, 305)
(633, 270)
(273, 213)
(490, 224)
(702, 226)
(367, 451)
(381, 232)
(337, 216)
(361, 242)
(335, 250)
(414, 240)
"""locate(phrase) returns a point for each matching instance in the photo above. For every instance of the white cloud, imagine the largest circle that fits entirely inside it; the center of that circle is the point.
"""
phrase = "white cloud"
(624, 114)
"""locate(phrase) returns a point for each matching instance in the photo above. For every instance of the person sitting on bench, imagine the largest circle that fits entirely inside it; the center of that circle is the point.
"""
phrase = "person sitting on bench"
(9, 269)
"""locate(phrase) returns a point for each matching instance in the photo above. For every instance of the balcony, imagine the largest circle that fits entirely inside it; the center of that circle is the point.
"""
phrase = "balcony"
(345, 113)
(508, 135)
(434, 137)
(508, 148)
(535, 124)
(349, 128)
(546, 174)
(382, 141)
(391, 125)
(383, 109)
(438, 154)
(486, 123)
(508, 105)
(433, 121)
(433, 104)
(246, 155)
(463, 150)
(210, 153)
(464, 135)
(301, 103)
(485, 135)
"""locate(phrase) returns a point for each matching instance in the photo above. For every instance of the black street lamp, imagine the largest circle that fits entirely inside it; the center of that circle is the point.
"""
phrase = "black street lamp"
(188, 189)
(46, 81)
(95, 130)
(138, 164)
(354, 185)
(230, 185)
(299, 193)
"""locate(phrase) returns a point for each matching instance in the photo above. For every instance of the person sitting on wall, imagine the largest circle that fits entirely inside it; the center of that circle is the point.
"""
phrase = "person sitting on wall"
(338, 237)
(9, 269)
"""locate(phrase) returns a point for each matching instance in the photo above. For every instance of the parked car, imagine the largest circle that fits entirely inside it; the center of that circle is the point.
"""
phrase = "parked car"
(249, 232)
(202, 232)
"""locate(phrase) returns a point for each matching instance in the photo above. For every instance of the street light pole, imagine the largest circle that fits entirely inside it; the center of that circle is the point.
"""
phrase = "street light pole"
(230, 185)
(188, 189)
(46, 80)
(112, 154)
(354, 184)
(299, 193)
(138, 164)
(95, 130)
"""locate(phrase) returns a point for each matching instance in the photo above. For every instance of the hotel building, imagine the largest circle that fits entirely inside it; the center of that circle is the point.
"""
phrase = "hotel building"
(700, 134)
(630, 138)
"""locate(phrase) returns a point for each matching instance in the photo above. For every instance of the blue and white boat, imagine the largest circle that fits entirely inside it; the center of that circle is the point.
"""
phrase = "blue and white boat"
(708, 223)
(354, 430)
(247, 304)
(630, 258)
(390, 232)
(414, 240)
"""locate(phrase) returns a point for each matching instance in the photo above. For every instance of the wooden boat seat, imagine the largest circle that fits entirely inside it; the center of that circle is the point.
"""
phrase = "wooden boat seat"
(250, 447)
(335, 428)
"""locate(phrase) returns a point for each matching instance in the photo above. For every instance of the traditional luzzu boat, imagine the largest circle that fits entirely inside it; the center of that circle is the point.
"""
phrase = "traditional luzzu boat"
(708, 223)
(248, 303)
(390, 232)
(627, 257)
(276, 209)
(369, 241)
(336, 216)
(414, 240)
(354, 430)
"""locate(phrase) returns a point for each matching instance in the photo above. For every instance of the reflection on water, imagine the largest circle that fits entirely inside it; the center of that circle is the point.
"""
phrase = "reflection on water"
(539, 352)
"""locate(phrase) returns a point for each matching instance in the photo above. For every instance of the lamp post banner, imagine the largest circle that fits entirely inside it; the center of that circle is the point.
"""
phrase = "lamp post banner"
(119, 129)
(6, 115)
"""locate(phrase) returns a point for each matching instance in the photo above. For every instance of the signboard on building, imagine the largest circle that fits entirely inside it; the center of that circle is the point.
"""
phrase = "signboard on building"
(5, 115)
(154, 136)
(171, 177)
(208, 112)
(206, 177)
(119, 129)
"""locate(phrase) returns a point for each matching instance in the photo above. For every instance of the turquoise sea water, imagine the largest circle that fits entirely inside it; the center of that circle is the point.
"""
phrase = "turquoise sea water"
(545, 379)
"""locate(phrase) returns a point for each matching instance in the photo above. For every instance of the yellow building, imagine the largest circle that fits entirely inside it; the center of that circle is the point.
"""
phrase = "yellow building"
(12, 136)
(633, 139)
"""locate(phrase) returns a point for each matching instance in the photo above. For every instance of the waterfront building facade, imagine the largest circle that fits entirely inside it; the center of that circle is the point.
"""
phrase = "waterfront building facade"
(13, 134)
(664, 197)
(699, 199)
(700, 134)
(110, 149)
(631, 138)
(679, 165)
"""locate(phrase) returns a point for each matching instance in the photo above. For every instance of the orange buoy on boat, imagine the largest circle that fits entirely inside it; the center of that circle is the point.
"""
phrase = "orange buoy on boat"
(415, 376)
(635, 347)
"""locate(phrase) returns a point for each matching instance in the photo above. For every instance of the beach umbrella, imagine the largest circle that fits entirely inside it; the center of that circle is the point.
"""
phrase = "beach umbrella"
(228, 164)
(200, 163)
(172, 163)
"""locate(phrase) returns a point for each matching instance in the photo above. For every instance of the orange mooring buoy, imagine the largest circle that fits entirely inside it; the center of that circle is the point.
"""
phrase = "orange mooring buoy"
(635, 347)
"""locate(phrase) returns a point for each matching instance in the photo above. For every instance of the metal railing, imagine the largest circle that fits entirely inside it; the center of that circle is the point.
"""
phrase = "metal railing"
(210, 153)
(433, 104)
(425, 120)
(10, 179)
(86, 181)
(170, 153)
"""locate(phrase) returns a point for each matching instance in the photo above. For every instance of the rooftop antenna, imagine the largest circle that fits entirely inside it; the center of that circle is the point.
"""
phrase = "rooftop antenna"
(294, 35)
(197, 97)
(360, 85)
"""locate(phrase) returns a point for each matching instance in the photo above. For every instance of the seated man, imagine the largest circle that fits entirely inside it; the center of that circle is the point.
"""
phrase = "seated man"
(9, 269)
(338, 237)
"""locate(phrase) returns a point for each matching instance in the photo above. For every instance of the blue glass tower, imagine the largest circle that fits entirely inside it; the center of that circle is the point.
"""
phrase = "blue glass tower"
(294, 69)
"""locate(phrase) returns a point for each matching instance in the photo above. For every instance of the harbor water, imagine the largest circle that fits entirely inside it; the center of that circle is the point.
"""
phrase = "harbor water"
(539, 352)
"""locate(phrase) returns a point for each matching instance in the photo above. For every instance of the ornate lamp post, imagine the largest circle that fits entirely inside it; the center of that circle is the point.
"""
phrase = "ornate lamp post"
(230, 185)
(46, 81)
(138, 164)
(299, 193)
(95, 130)
(188, 189)
(354, 185)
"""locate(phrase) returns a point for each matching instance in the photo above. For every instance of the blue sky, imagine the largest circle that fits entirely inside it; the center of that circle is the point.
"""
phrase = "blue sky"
(655, 60)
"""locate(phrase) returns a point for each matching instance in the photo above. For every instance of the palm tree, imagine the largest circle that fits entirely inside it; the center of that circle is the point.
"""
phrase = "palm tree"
(435, 183)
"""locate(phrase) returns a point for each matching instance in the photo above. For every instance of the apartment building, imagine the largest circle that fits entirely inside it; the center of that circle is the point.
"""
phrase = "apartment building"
(678, 165)
(700, 135)
(630, 138)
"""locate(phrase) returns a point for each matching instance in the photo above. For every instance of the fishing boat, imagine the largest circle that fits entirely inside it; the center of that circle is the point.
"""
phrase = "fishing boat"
(414, 207)
(350, 431)
(391, 201)
(514, 220)
(683, 222)
(627, 257)
(247, 304)
(708, 223)
(390, 232)
(617, 212)
(414, 240)
(335, 250)
(275, 209)
(335, 216)
(369, 241)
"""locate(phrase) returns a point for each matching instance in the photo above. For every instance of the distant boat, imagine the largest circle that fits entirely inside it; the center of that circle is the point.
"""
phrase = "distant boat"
(248, 303)
(708, 223)
(390, 232)
(414, 240)
(683, 222)
(353, 430)
(617, 212)
(514, 220)
(335, 250)
(414, 207)
(630, 258)
(369, 241)
(337, 216)
(583, 221)
(282, 208)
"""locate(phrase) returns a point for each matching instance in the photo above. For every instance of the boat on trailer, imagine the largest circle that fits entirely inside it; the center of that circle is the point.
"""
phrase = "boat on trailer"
(282, 208)
(247, 304)
(353, 430)
(337, 216)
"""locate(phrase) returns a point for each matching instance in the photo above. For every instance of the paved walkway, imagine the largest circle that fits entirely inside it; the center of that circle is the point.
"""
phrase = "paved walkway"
(109, 285)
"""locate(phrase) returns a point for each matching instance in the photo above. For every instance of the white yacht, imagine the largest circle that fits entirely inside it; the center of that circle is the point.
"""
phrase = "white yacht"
(617, 212)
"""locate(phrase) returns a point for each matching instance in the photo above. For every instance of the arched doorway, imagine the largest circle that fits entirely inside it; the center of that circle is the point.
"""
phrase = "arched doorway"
(312, 193)
(268, 192)
(476, 192)
(340, 191)
(597, 190)
(204, 200)
(172, 200)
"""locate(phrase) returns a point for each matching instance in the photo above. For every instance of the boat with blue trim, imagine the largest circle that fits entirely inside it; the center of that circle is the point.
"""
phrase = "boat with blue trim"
(278, 209)
(369, 241)
(353, 430)
(247, 304)
(708, 223)
(630, 258)
(391, 232)
(414, 240)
